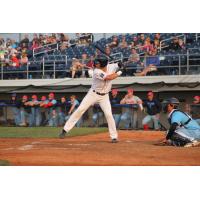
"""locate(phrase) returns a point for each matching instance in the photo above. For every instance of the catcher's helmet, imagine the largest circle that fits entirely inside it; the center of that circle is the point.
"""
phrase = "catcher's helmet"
(102, 60)
(172, 101)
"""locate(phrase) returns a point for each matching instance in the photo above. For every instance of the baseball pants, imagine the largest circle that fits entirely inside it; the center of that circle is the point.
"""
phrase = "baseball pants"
(182, 136)
(150, 118)
(90, 99)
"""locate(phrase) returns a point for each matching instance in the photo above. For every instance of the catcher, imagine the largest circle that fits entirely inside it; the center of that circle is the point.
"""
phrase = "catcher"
(183, 131)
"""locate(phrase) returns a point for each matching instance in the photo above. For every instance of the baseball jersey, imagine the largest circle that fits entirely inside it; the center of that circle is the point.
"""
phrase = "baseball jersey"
(99, 84)
(179, 117)
(153, 107)
(131, 100)
(116, 100)
(76, 103)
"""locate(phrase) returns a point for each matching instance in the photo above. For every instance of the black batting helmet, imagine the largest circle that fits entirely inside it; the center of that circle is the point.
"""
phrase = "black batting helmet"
(172, 101)
(102, 60)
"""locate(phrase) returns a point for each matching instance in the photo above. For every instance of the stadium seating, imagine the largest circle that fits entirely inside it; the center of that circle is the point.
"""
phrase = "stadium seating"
(170, 56)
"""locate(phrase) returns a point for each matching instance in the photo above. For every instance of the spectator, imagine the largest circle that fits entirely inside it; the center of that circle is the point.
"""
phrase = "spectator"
(147, 45)
(130, 114)
(15, 106)
(97, 53)
(14, 44)
(35, 38)
(25, 41)
(153, 108)
(174, 44)
(114, 42)
(108, 51)
(135, 42)
(90, 66)
(116, 111)
(62, 111)
(133, 62)
(84, 61)
(141, 39)
(24, 60)
(41, 39)
(152, 62)
(64, 46)
(76, 68)
(90, 63)
(157, 37)
(123, 44)
(74, 104)
(15, 61)
(25, 111)
(156, 44)
(181, 44)
(35, 44)
(2, 54)
(13, 51)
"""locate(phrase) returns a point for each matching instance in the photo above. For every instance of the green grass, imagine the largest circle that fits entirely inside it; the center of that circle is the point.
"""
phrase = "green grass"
(44, 132)
(4, 163)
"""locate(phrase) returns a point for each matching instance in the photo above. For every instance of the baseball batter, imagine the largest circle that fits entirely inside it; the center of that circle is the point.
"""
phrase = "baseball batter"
(103, 75)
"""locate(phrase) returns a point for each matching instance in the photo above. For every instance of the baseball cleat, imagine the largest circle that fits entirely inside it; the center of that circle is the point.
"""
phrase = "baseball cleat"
(62, 134)
(114, 140)
(193, 144)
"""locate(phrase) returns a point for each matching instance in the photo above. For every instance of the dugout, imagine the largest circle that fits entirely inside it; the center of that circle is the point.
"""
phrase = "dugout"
(183, 87)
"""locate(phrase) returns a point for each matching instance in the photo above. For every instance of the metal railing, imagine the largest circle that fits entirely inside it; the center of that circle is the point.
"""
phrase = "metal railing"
(45, 49)
(181, 64)
(162, 42)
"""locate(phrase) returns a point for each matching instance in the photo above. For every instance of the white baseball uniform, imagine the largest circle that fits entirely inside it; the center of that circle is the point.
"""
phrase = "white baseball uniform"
(98, 94)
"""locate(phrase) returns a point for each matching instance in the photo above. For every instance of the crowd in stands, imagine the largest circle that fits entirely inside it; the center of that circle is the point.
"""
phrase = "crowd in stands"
(15, 54)
(50, 111)
(140, 52)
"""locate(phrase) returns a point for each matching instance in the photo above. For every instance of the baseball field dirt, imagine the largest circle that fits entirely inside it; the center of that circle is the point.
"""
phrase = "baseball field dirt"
(135, 148)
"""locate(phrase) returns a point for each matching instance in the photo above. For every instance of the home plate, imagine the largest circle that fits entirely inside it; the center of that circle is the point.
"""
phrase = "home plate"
(25, 147)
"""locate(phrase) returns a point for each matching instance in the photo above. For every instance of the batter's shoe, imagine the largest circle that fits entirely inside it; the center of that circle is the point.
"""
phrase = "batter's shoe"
(62, 134)
(114, 140)
(194, 143)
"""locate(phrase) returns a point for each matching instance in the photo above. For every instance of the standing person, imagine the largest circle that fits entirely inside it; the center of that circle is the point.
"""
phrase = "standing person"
(103, 75)
(74, 104)
(35, 111)
(183, 131)
(52, 113)
(25, 112)
(114, 99)
(15, 109)
(130, 114)
(62, 111)
(43, 110)
(153, 108)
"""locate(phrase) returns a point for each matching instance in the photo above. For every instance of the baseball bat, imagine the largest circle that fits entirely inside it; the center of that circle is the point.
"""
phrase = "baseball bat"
(120, 64)
(102, 51)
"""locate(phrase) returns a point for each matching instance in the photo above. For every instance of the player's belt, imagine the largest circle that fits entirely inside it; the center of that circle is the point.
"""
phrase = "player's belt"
(102, 94)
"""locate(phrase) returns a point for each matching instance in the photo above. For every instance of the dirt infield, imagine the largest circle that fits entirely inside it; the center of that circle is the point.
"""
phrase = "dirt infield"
(134, 148)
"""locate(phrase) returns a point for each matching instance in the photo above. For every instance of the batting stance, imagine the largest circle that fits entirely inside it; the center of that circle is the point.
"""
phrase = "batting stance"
(103, 75)
(183, 131)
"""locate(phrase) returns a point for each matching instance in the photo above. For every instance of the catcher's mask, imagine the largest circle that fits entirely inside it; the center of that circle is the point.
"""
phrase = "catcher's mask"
(172, 101)
(102, 60)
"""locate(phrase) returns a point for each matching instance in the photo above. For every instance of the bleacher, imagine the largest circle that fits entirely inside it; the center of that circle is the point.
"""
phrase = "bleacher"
(44, 63)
